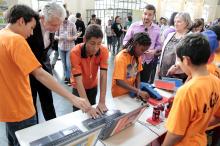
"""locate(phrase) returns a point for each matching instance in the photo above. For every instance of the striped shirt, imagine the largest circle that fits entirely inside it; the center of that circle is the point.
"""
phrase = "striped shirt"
(67, 29)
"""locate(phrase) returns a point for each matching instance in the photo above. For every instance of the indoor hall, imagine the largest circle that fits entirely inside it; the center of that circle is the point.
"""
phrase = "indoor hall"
(124, 13)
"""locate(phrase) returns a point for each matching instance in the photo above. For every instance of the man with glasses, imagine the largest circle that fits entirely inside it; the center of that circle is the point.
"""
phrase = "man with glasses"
(150, 57)
(51, 17)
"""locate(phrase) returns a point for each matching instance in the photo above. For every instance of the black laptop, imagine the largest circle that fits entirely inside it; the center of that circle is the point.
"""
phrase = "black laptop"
(71, 136)
(116, 123)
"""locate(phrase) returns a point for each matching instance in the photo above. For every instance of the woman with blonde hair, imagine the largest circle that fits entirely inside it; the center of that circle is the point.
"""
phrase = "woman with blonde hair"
(182, 24)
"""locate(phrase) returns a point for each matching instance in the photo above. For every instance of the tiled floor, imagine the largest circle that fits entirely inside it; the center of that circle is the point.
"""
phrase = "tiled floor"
(62, 106)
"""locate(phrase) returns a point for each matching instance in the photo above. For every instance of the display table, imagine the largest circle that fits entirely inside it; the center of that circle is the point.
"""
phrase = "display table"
(160, 128)
(138, 133)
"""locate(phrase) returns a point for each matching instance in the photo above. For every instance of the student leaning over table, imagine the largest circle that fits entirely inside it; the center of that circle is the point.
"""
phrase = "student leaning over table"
(86, 59)
(17, 62)
(127, 66)
(199, 96)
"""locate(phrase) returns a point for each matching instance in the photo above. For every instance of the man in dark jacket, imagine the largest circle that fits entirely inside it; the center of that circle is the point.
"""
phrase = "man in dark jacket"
(51, 18)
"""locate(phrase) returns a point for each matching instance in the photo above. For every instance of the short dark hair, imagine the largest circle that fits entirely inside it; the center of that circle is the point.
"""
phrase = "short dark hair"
(196, 47)
(18, 11)
(93, 15)
(78, 15)
(98, 21)
(150, 7)
(141, 38)
(93, 30)
(116, 17)
(129, 18)
(216, 29)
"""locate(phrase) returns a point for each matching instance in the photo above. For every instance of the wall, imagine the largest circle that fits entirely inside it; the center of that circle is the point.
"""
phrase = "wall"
(26, 2)
(207, 9)
(217, 12)
(80, 6)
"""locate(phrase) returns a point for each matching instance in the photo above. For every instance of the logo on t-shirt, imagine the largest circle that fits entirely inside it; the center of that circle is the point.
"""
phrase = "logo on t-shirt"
(213, 100)
(131, 70)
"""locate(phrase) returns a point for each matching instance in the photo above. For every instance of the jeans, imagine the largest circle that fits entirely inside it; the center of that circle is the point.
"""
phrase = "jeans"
(65, 58)
(116, 40)
(12, 127)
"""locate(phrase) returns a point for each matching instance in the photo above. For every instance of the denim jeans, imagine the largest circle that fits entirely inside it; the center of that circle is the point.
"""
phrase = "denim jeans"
(12, 127)
(65, 58)
(116, 40)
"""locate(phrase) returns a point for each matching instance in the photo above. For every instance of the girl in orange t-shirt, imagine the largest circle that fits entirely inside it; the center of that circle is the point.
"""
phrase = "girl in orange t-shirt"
(127, 66)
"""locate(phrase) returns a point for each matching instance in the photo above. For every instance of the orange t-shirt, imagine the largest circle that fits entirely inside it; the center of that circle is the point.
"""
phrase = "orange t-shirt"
(213, 69)
(194, 105)
(16, 63)
(217, 57)
(86, 66)
(125, 68)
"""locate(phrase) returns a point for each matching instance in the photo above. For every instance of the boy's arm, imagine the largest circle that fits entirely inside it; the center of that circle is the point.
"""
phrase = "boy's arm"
(123, 84)
(103, 80)
(46, 79)
(82, 93)
(171, 139)
(103, 85)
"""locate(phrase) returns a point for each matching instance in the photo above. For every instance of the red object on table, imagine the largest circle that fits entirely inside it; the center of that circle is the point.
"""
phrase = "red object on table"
(151, 121)
(155, 119)
(166, 85)
(155, 102)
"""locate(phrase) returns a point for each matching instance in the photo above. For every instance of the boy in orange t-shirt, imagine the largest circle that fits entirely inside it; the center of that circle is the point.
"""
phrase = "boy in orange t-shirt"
(198, 99)
(127, 66)
(17, 61)
(86, 59)
(213, 36)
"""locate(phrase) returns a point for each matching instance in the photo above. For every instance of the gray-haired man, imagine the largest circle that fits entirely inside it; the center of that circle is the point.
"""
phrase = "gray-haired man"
(51, 17)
